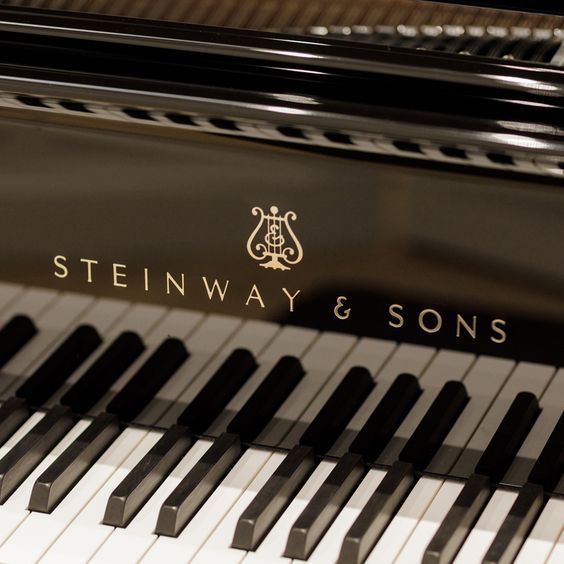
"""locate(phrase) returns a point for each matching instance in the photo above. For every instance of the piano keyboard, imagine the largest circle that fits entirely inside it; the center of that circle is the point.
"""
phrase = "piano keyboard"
(201, 465)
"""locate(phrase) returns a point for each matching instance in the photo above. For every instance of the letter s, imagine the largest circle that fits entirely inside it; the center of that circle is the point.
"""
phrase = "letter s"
(60, 264)
(394, 311)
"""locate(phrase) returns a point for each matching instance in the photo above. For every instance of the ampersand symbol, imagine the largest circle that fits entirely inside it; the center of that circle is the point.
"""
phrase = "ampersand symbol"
(340, 305)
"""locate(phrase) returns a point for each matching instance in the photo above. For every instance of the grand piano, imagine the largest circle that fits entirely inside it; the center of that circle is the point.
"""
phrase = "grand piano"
(281, 281)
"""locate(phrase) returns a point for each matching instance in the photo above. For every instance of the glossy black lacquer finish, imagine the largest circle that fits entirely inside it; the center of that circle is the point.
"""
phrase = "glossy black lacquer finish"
(543, 6)
(374, 150)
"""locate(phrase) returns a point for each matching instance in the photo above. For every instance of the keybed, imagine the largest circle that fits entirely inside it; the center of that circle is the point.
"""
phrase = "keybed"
(72, 528)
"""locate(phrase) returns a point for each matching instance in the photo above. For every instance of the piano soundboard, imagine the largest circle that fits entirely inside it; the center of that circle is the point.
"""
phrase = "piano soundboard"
(287, 290)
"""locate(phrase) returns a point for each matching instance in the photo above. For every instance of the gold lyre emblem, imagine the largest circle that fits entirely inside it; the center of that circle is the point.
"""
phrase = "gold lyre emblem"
(274, 241)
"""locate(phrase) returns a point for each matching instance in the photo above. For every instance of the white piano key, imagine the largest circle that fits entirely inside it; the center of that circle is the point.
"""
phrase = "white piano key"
(140, 318)
(104, 313)
(217, 546)
(319, 363)
(557, 554)
(373, 354)
(14, 510)
(128, 545)
(445, 366)
(84, 536)
(483, 533)
(544, 534)
(412, 359)
(31, 302)
(330, 545)
(274, 543)
(526, 377)
(551, 404)
(403, 524)
(229, 335)
(414, 548)
(181, 549)
(46, 528)
(8, 293)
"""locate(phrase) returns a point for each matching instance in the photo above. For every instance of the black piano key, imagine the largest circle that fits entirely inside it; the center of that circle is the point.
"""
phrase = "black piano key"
(322, 432)
(196, 487)
(491, 467)
(376, 514)
(14, 335)
(324, 506)
(416, 454)
(367, 446)
(261, 407)
(148, 380)
(24, 456)
(218, 391)
(245, 426)
(147, 475)
(544, 477)
(53, 484)
(515, 527)
(459, 521)
(338, 410)
(68, 356)
(549, 467)
(99, 377)
(386, 417)
(435, 425)
(13, 413)
(258, 518)
(509, 437)
(126, 500)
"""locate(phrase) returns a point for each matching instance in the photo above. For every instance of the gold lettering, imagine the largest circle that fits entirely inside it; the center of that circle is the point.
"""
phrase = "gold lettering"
(394, 311)
(438, 320)
(89, 263)
(215, 286)
(291, 298)
(146, 278)
(170, 280)
(118, 275)
(461, 322)
(255, 295)
(340, 305)
(496, 327)
(60, 263)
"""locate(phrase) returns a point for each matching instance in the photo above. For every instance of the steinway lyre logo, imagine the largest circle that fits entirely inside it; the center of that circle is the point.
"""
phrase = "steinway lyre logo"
(274, 241)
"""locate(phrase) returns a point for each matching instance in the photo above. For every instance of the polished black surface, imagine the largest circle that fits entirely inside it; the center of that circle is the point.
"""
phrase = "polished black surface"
(544, 6)
(374, 160)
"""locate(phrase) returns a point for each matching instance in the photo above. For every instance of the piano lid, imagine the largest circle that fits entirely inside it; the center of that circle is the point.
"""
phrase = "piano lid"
(544, 6)
(298, 15)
